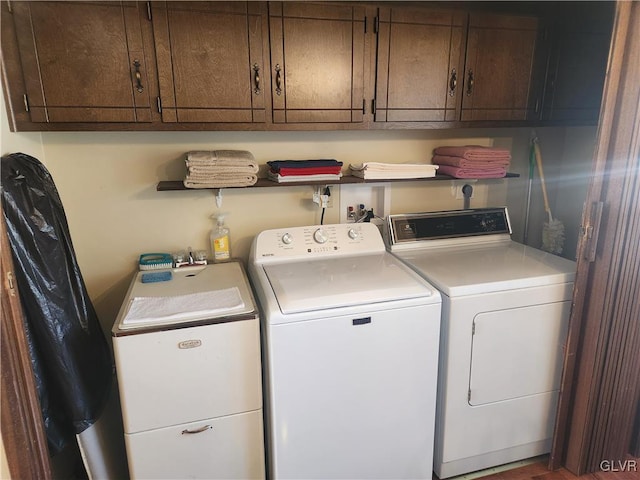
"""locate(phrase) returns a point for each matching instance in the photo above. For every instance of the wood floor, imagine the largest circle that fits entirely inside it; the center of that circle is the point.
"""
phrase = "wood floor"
(538, 471)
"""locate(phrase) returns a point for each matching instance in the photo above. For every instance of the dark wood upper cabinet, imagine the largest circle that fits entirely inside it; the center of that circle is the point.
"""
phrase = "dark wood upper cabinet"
(253, 65)
(317, 62)
(578, 62)
(420, 64)
(500, 78)
(211, 62)
(81, 62)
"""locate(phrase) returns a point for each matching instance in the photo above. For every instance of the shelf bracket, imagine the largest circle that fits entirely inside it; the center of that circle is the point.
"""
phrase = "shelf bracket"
(219, 198)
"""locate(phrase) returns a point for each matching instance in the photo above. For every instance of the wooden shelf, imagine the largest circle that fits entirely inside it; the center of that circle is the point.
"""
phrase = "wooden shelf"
(168, 185)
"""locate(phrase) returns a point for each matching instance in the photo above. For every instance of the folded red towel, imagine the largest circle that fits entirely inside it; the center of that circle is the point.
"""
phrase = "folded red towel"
(463, 162)
(474, 152)
(457, 172)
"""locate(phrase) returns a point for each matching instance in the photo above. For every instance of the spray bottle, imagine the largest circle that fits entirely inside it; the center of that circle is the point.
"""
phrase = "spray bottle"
(220, 240)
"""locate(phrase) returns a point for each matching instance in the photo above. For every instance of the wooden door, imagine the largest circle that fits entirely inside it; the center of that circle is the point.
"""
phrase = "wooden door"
(83, 62)
(23, 433)
(499, 68)
(419, 65)
(211, 63)
(600, 386)
(317, 62)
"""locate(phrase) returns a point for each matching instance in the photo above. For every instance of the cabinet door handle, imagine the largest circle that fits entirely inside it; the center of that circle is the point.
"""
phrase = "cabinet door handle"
(139, 86)
(256, 78)
(470, 83)
(453, 82)
(197, 430)
(278, 80)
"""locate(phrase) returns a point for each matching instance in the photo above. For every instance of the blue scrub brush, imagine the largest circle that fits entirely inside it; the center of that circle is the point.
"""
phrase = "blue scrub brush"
(155, 261)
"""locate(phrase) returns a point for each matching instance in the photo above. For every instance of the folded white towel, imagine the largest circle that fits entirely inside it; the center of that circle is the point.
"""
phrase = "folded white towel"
(320, 177)
(220, 181)
(154, 310)
(221, 158)
(391, 171)
(393, 167)
(212, 155)
(240, 169)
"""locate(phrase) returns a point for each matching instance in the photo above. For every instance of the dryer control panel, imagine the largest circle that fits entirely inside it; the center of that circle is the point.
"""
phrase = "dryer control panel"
(417, 227)
(318, 240)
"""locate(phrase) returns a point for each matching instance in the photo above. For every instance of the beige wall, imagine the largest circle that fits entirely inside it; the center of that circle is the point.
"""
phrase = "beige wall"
(30, 143)
(107, 182)
(4, 467)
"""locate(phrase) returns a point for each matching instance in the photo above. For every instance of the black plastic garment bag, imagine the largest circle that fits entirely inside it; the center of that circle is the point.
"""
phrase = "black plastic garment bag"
(70, 355)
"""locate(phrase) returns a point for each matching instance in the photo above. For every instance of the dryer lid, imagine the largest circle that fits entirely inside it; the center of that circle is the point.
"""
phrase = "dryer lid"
(486, 268)
(321, 284)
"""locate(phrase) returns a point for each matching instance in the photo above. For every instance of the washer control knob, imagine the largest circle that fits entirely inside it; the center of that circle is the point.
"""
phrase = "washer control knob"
(353, 234)
(287, 238)
(320, 236)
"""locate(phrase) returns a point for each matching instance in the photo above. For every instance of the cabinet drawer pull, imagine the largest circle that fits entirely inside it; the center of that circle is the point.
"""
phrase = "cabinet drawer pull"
(197, 430)
(256, 78)
(139, 86)
(278, 80)
(453, 82)
(470, 83)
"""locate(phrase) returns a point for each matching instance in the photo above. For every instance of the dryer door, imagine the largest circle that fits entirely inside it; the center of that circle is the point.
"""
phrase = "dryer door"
(517, 352)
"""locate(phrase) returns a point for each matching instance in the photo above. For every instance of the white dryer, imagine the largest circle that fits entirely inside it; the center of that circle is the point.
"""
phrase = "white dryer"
(505, 310)
(350, 342)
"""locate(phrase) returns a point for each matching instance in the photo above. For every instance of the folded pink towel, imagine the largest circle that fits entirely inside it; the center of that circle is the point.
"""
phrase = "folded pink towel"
(458, 172)
(474, 152)
(463, 162)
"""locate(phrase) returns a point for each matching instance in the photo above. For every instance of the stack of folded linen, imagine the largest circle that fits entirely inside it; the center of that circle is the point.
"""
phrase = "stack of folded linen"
(220, 168)
(283, 171)
(472, 161)
(392, 171)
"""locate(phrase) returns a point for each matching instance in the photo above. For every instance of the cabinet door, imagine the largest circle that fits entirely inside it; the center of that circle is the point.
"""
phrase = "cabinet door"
(210, 61)
(499, 67)
(188, 374)
(83, 62)
(420, 65)
(578, 63)
(317, 62)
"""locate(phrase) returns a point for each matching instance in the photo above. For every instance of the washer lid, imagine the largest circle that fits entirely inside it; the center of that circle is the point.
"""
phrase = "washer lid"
(494, 267)
(321, 284)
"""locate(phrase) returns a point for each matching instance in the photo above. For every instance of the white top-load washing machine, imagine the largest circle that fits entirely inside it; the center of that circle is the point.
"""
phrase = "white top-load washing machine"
(187, 354)
(505, 310)
(350, 344)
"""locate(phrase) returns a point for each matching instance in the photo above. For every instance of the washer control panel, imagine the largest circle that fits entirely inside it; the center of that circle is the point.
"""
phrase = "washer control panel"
(318, 240)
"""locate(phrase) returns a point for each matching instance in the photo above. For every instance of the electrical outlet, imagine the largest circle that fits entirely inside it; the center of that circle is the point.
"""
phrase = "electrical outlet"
(330, 199)
(321, 199)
